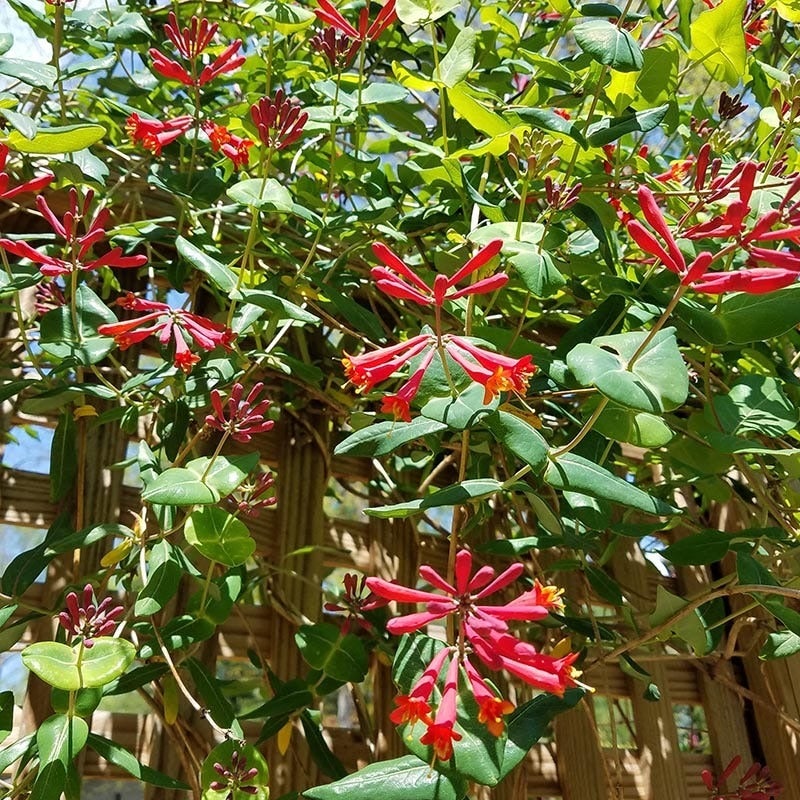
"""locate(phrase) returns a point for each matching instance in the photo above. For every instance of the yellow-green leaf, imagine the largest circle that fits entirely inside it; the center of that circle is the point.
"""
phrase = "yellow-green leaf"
(718, 41)
(66, 139)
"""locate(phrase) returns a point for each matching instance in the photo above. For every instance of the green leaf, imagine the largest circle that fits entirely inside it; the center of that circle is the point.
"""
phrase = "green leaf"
(322, 754)
(538, 272)
(6, 714)
(718, 41)
(381, 438)
(757, 317)
(135, 678)
(32, 73)
(6, 43)
(418, 12)
(179, 486)
(21, 122)
(461, 412)
(57, 664)
(287, 17)
(468, 106)
(609, 45)
(60, 339)
(700, 548)
(612, 128)
(120, 757)
(59, 739)
(163, 581)
(522, 439)
(755, 403)
(407, 778)
(530, 721)
(322, 647)
(780, 644)
(636, 427)
(604, 585)
(690, 627)
(258, 193)
(458, 61)
(574, 473)
(547, 120)
(52, 141)
(250, 757)
(226, 473)
(15, 751)
(63, 457)
(221, 275)
(210, 691)
(279, 306)
(657, 382)
(290, 697)
(219, 536)
(380, 93)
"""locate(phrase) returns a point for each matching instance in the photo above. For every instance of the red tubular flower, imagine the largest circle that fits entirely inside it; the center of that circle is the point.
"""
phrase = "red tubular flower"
(89, 619)
(169, 324)
(752, 281)
(415, 705)
(495, 372)
(34, 185)
(241, 419)
(339, 48)
(279, 122)
(155, 134)
(369, 369)
(440, 735)
(233, 147)
(400, 404)
(492, 708)
(328, 13)
(77, 244)
(190, 43)
(398, 280)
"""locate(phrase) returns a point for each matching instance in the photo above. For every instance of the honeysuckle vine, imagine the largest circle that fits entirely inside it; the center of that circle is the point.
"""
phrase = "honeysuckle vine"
(536, 264)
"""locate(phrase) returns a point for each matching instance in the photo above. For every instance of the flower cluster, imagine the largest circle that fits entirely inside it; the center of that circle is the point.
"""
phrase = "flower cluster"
(495, 372)
(240, 418)
(775, 225)
(483, 632)
(169, 324)
(356, 600)
(155, 134)
(755, 784)
(77, 245)
(327, 12)
(338, 48)
(399, 280)
(8, 192)
(89, 619)
(254, 495)
(236, 148)
(279, 122)
(235, 778)
(190, 43)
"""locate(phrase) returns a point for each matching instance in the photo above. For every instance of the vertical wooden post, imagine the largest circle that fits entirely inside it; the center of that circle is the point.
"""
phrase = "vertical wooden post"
(303, 476)
(723, 708)
(660, 760)
(393, 553)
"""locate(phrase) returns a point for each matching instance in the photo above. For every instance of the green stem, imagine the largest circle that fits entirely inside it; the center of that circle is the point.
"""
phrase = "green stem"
(523, 198)
(58, 38)
(442, 90)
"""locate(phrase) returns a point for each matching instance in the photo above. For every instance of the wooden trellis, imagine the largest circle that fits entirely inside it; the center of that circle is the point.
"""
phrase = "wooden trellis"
(750, 707)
